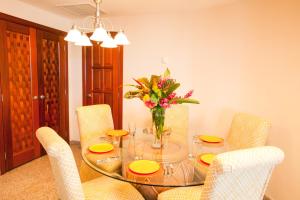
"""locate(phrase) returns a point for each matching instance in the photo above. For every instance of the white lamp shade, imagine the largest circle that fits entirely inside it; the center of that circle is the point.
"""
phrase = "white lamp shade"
(99, 35)
(84, 41)
(109, 42)
(73, 35)
(121, 39)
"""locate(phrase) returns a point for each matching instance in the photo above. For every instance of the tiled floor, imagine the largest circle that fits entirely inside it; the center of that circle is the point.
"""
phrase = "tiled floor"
(32, 181)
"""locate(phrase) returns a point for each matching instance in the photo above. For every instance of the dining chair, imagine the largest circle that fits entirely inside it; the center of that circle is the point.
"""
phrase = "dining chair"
(67, 178)
(247, 131)
(241, 174)
(93, 122)
(177, 118)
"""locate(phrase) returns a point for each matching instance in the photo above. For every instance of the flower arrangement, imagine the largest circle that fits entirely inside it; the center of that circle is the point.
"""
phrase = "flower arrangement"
(158, 94)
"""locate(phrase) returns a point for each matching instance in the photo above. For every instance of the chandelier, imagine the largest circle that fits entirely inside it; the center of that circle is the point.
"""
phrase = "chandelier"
(96, 24)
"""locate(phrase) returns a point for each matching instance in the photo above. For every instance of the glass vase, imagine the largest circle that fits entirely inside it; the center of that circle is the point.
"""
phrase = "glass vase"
(158, 120)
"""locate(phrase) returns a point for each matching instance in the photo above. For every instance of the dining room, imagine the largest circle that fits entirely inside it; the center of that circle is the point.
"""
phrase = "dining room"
(112, 99)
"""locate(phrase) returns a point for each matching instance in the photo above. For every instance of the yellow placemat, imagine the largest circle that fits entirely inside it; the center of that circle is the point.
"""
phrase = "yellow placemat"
(210, 138)
(101, 148)
(144, 166)
(207, 158)
(117, 132)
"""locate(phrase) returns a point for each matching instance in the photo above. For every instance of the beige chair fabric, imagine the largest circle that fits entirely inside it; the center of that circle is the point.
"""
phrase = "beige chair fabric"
(67, 178)
(177, 118)
(247, 131)
(93, 121)
(241, 174)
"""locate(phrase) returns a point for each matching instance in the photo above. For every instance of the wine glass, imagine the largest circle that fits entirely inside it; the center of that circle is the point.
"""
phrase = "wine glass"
(132, 128)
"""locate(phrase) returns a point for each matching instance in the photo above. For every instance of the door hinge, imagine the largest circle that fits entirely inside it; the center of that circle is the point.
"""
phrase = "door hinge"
(2, 98)
(4, 155)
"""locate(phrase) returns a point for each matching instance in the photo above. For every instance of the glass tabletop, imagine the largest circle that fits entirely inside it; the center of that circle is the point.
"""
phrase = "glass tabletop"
(177, 165)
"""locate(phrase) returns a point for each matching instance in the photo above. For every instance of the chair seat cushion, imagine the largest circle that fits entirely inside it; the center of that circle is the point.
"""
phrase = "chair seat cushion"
(190, 193)
(106, 188)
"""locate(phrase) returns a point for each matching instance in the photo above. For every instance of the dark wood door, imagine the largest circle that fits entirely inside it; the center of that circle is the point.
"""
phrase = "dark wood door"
(52, 72)
(2, 143)
(33, 88)
(103, 78)
(19, 89)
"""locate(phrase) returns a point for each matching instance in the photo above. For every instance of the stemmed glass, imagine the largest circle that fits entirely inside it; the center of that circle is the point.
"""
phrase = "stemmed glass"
(196, 146)
(132, 128)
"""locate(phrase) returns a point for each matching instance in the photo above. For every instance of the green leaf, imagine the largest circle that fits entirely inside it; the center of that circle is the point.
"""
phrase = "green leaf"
(184, 100)
(132, 94)
(172, 88)
(154, 98)
(167, 73)
(145, 82)
(136, 86)
(154, 80)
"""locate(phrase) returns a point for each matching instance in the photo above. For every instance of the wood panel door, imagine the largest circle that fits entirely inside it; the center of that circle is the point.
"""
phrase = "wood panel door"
(103, 79)
(2, 143)
(19, 90)
(52, 70)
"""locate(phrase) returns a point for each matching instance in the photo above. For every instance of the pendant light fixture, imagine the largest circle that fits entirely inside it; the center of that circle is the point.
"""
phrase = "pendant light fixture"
(99, 33)
(83, 40)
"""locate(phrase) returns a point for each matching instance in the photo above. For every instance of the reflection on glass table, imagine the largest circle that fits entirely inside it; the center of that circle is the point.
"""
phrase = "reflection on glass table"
(176, 166)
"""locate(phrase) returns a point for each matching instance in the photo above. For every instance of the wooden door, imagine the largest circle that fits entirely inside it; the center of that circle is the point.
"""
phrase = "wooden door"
(103, 78)
(52, 71)
(19, 90)
(2, 143)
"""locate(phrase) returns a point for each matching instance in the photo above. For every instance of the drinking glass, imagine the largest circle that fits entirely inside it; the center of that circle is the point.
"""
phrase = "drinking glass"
(132, 128)
(139, 151)
(116, 140)
(196, 147)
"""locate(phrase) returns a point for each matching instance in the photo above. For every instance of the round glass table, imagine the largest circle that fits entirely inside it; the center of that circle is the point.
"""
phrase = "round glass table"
(178, 167)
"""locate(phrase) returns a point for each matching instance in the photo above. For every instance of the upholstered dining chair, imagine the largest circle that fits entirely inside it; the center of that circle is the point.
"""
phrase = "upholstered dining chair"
(93, 121)
(177, 118)
(242, 174)
(67, 178)
(247, 131)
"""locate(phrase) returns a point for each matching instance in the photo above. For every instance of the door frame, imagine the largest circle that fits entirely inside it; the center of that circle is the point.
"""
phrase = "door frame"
(2, 136)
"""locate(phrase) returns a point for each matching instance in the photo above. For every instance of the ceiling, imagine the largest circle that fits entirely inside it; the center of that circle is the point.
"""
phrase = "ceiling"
(81, 8)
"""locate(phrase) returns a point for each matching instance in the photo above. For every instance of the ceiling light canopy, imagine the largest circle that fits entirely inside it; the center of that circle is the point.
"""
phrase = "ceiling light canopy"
(100, 34)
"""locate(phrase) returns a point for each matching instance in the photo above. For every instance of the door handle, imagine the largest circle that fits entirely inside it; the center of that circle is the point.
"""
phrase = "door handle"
(35, 97)
(42, 97)
(89, 95)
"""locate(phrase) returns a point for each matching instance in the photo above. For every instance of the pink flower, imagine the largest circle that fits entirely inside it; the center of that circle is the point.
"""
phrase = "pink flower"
(164, 103)
(189, 94)
(171, 96)
(150, 104)
(161, 82)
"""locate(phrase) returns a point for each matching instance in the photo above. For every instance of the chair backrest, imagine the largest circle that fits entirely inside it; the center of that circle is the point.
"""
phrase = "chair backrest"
(94, 121)
(247, 131)
(241, 174)
(63, 165)
(177, 118)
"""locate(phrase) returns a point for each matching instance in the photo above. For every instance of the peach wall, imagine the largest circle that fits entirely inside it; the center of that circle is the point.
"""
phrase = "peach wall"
(34, 14)
(239, 57)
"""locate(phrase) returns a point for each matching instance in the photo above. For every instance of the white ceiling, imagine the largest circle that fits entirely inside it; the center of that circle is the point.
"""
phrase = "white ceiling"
(124, 7)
